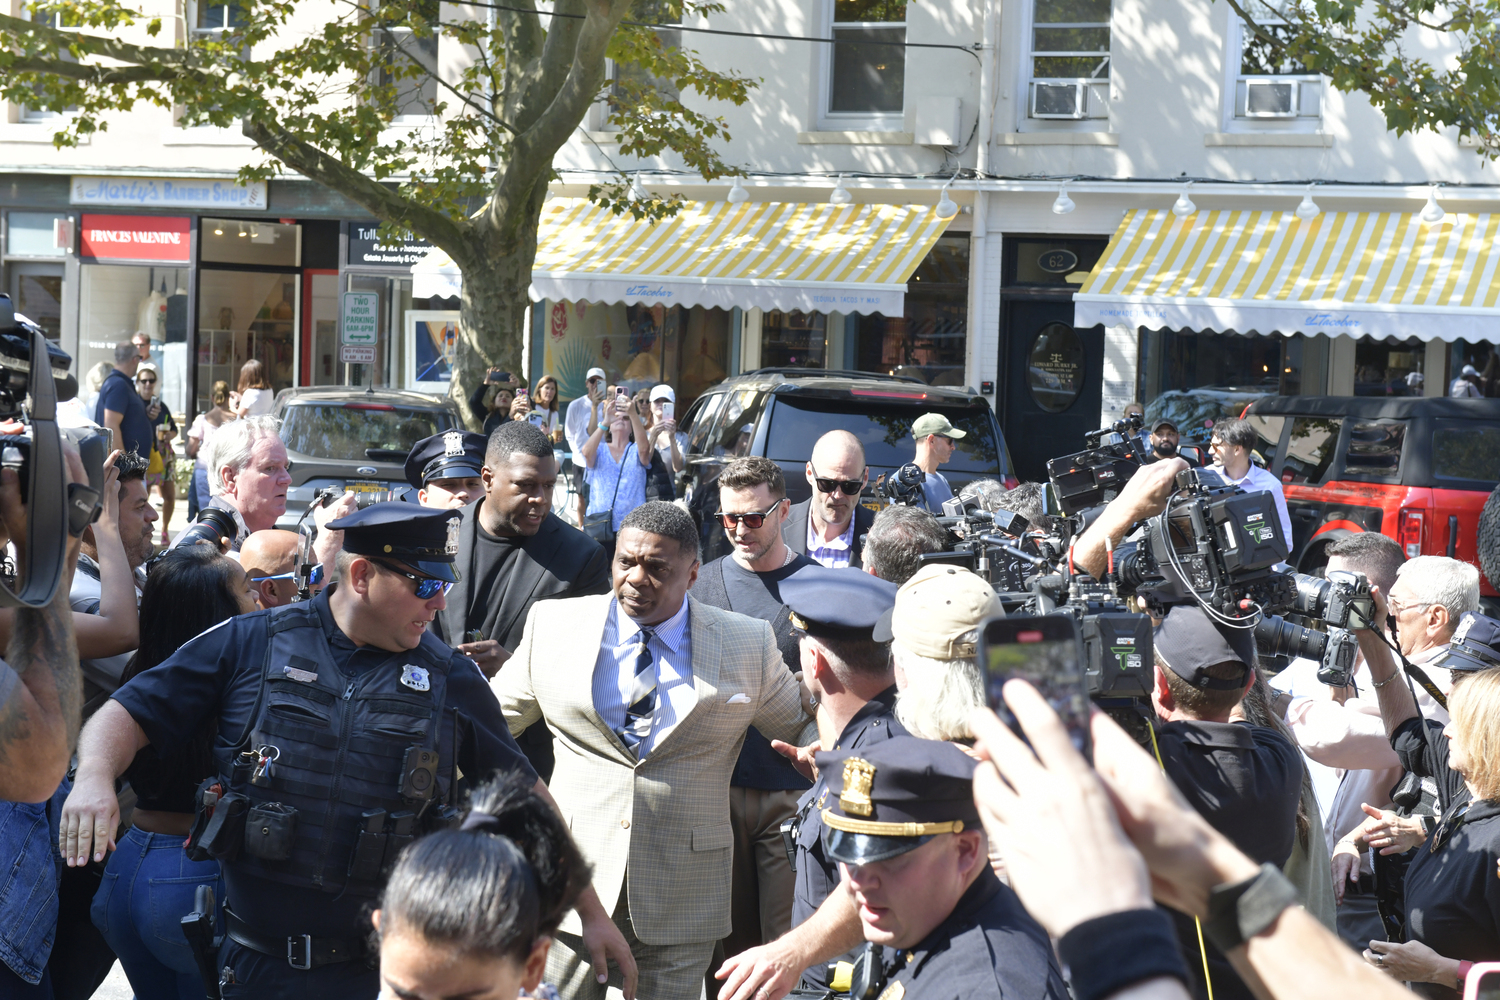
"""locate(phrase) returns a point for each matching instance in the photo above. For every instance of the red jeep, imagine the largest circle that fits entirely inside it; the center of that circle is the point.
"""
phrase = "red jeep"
(1416, 469)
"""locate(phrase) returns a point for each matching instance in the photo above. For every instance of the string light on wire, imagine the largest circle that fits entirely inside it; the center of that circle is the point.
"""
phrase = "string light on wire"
(1308, 210)
(1432, 212)
(947, 208)
(737, 194)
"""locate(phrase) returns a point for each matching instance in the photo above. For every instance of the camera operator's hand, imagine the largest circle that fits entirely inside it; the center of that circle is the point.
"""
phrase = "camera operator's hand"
(329, 542)
(1050, 817)
(1145, 495)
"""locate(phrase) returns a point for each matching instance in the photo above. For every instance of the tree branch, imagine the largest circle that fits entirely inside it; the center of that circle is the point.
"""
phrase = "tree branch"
(99, 45)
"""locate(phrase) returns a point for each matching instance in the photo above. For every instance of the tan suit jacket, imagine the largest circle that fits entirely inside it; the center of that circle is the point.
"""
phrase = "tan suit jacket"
(664, 819)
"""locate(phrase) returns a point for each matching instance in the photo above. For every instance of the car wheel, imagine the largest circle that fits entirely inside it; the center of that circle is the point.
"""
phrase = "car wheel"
(1489, 539)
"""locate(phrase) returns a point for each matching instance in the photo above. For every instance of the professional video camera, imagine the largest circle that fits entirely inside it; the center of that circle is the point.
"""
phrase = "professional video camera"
(52, 511)
(1096, 475)
(904, 486)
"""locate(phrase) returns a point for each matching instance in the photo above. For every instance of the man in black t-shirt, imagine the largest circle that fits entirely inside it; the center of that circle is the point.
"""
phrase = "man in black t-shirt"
(764, 787)
(512, 552)
(1245, 780)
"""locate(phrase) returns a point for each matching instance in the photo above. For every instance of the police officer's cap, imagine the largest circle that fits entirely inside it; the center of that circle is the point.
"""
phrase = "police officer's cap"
(1188, 642)
(836, 602)
(893, 797)
(453, 454)
(1475, 644)
(423, 538)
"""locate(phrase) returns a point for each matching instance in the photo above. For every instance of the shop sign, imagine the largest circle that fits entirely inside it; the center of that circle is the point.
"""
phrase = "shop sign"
(167, 192)
(353, 355)
(364, 248)
(135, 237)
(361, 311)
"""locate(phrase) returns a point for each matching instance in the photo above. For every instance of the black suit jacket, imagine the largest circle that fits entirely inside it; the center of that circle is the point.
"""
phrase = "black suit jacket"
(794, 530)
(558, 561)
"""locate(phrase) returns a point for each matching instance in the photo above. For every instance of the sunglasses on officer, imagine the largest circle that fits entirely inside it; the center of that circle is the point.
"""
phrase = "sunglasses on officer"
(849, 487)
(754, 519)
(427, 587)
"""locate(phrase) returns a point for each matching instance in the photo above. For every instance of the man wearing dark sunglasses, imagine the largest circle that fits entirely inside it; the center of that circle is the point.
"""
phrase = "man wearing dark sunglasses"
(936, 439)
(764, 787)
(829, 527)
(369, 721)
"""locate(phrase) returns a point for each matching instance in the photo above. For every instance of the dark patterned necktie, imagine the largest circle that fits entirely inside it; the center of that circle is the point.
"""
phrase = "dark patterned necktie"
(642, 695)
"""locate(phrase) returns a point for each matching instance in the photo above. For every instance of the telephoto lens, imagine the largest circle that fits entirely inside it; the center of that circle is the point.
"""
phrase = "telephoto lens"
(212, 525)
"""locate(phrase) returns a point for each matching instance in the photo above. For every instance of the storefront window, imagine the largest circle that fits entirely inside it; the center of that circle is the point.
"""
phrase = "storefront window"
(244, 315)
(37, 293)
(237, 241)
(928, 341)
(33, 234)
(637, 346)
(115, 301)
(1388, 367)
(1486, 361)
(794, 340)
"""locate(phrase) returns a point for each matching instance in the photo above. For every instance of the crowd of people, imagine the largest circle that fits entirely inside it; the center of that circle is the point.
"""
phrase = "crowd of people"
(488, 753)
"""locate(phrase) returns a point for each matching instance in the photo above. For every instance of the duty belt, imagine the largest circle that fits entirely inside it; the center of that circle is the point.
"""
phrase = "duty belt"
(301, 951)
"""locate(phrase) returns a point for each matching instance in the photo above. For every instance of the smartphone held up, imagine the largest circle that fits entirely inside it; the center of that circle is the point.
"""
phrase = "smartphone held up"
(1045, 652)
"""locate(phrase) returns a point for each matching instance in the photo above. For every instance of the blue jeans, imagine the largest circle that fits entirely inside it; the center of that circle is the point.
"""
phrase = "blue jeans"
(148, 887)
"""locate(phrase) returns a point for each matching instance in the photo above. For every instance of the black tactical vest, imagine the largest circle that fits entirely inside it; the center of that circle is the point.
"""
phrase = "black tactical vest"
(330, 813)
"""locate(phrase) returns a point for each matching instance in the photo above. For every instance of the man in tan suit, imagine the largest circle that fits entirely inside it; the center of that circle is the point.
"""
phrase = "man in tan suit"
(649, 694)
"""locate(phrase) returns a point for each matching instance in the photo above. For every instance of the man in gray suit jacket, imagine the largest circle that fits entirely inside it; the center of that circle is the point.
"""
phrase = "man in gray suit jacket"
(512, 552)
(649, 701)
(829, 526)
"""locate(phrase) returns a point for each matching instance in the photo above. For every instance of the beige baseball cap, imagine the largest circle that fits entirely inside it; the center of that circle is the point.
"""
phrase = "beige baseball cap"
(935, 423)
(936, 609)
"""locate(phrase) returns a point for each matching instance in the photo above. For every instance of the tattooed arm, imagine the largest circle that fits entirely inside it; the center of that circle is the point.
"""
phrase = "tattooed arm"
(41, 689)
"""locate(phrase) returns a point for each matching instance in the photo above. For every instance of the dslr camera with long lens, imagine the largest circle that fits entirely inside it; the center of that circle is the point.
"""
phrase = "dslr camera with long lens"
(33, 377)
(1317, 625)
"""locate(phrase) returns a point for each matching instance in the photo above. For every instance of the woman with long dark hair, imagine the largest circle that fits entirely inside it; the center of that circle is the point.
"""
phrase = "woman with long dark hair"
(471, 912)
(254, 395)
(149, 883)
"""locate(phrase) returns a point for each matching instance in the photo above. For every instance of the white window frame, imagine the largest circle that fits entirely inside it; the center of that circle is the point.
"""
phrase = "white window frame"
(598, 116)
(401, 37)
(1099, 91)
(1309, 89)
(845, 121)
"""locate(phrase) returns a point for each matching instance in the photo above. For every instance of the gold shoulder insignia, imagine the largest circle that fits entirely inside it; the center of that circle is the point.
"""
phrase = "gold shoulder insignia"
(895, 991)
(859, 777)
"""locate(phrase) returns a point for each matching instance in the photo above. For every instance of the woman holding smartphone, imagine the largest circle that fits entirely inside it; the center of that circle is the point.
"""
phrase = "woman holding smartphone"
(615, 458)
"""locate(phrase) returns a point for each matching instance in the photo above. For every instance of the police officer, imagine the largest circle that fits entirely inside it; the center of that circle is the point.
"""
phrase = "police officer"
(338, 723)
(444, 468)
(835, 612)
(901, 821)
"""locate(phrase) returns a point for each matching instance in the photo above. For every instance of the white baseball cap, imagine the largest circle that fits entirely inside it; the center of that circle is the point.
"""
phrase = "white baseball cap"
(596, 373)
(663, 392)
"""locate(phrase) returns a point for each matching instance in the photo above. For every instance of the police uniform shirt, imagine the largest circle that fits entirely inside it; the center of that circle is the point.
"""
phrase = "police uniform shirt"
(218, 674)
(816, 875)
(989, 947)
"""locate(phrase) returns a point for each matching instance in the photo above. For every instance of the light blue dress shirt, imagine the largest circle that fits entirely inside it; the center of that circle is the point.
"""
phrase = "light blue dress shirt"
(614, 672)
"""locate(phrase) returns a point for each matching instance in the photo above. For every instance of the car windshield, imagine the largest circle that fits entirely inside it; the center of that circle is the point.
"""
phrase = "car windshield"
(884, 429)
(359, 432)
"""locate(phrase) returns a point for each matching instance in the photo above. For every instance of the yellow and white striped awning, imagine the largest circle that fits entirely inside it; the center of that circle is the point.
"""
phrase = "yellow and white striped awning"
(767, 255)
(1359, 273)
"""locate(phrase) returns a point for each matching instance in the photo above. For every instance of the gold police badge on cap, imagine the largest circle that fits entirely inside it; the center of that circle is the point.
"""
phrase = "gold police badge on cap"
(859, 777)
(451, 546)
(453, 444)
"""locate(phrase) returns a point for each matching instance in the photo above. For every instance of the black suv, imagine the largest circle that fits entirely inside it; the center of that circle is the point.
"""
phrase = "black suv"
(780, 412)
(352, 438)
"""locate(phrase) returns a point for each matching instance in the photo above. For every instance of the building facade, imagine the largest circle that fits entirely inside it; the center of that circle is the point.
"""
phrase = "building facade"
(1047, 125)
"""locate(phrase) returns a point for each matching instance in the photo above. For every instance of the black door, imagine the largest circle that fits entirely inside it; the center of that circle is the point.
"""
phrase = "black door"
(1052, 378)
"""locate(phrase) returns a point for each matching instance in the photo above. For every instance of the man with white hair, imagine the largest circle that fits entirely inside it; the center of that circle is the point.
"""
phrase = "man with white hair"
(247, 475)
(933, 630)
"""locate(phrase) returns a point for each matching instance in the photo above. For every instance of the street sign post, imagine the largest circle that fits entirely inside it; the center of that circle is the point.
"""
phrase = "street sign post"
(360, 315)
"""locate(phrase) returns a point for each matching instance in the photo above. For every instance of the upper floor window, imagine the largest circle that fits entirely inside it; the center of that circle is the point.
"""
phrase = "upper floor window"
(867, 67)
(51, 19)
(215, 18)
(1068, 65)
(409, 67)
(623, 75)
(1269, 87)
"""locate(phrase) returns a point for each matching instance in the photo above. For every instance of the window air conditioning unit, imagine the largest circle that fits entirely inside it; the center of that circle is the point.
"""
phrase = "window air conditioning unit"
(1271, 98)
(1060, 100)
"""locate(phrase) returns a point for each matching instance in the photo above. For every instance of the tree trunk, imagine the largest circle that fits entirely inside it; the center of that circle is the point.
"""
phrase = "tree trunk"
(496, 311)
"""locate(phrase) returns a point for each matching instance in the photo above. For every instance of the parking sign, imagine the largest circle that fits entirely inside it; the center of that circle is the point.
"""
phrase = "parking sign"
(361, 310)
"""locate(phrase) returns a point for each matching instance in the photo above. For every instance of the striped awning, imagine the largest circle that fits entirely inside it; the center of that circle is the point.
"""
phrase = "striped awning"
(767, 255)
(1380, 274)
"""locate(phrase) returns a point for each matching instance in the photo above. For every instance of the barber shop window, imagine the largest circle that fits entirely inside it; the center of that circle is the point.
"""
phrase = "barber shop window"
(1375, 450)
(1310, 449)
